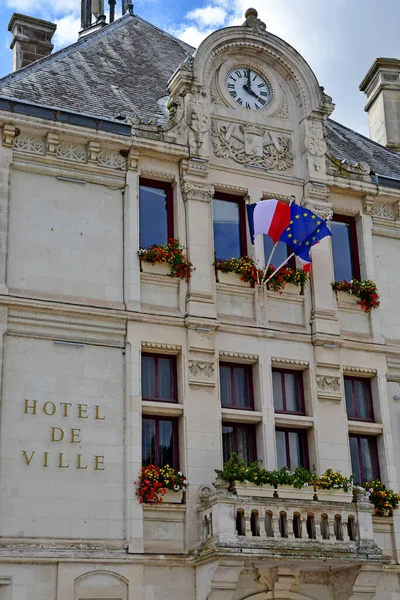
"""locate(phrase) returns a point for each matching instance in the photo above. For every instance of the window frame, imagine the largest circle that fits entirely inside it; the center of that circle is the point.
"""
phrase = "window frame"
(242, 220)
(161, 185)
(175, 439)
(355, 257)
(250, 387)
(303, 437)
(251, 428)
(370, 401)
(174, 377)
(302, 412)
(375, 454)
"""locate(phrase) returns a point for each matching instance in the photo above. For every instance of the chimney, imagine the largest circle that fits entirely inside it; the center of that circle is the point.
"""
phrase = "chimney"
(31, 39)
(381, 85)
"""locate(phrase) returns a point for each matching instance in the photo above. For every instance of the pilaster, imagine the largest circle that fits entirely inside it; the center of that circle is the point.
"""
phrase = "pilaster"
(131, 234)
(6, 157)
(199, 235)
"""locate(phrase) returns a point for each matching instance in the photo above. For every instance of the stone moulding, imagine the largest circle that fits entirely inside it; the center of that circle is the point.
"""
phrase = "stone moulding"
(360, 371)
(160, 347)
(329, 388)
(159, 175)
(196, 191)
(31, 144)
(289, 362)
(238, 356)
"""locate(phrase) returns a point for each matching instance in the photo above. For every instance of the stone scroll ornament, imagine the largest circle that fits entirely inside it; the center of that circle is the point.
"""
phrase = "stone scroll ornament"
(251, 145)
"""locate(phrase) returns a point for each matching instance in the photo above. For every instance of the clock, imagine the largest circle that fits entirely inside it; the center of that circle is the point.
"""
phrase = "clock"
(248, 88)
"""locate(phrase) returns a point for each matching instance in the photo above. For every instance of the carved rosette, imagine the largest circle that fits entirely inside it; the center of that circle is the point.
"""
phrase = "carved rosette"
(201, 372)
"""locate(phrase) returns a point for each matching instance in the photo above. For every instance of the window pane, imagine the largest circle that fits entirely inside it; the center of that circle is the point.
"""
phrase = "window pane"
(148, 441)
(355, 462)
(348, 391)
(226, 229)
(244, 444)
(281, 251)
(368, 452)
(148, 377)
(296, 450)
(281, 449)
(227, 442)
(363, 399)
(225, 384)
(153, 216)
(241, 383)
(292, 392)
(277, 390)
(165, 379)
(166, 442)
(341, 249)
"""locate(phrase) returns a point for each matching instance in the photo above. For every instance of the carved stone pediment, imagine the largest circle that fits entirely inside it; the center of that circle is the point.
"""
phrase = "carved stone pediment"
(252, 145)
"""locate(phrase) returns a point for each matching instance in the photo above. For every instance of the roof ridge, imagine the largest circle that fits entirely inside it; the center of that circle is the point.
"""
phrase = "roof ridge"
(15, 76)
(367, 139)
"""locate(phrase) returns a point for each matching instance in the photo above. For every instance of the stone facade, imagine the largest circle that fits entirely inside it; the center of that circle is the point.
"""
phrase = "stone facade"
(77, 311)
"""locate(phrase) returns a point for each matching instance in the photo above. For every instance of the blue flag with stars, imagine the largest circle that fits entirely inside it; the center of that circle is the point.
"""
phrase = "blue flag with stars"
(304, 230)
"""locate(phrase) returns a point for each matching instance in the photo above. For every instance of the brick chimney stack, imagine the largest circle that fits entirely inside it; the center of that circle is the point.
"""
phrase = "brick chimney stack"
(381, 85)
(31, 39)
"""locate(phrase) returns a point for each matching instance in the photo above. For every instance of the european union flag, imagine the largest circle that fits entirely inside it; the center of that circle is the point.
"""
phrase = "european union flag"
(304, 230)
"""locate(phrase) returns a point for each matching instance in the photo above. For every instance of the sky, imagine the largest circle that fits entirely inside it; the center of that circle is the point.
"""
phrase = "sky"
(339, 39)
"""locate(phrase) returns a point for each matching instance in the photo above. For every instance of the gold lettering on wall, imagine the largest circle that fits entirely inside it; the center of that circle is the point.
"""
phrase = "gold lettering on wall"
(53, 408)
(28, 407)
(75, 436)
(58, 434)
(99, 463)
(82, 411)
(25, 455)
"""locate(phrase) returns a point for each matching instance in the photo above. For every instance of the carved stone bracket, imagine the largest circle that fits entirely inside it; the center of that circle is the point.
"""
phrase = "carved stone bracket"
(196, 191)
(9, 133)
(52, 141)
(201, 372)
(93, 149)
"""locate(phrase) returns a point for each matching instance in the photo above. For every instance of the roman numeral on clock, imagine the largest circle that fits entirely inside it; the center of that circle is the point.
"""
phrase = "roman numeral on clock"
(263, 93)
(248, 105)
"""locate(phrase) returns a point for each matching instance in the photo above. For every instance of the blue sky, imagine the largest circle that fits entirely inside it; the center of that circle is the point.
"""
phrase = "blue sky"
(339, 39)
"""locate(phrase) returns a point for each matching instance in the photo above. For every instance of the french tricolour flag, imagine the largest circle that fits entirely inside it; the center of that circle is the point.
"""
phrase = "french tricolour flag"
(269, 217)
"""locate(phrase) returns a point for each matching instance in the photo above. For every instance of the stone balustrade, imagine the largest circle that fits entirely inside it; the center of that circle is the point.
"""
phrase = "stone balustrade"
(229, 520)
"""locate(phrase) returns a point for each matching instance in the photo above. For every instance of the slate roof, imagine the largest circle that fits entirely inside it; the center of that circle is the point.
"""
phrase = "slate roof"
(124, 69)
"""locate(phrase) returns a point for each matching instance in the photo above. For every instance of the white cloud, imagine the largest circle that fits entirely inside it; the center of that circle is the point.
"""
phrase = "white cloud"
(191, 35)
(209, 15)
(45, 8)
(67, 31)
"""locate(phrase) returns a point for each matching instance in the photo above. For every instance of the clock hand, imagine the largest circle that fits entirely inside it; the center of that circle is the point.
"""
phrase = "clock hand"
(248, 79)
(250, 91)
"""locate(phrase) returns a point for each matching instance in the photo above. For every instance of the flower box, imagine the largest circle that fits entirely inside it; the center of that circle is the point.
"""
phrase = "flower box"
(251, 489)
(335, 495)
(172, 497)
(346, 298)
(231, 279)
(155, 268)
(289, 492)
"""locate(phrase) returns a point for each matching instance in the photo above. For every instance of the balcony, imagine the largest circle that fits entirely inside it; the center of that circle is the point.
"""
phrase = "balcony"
(299, 528)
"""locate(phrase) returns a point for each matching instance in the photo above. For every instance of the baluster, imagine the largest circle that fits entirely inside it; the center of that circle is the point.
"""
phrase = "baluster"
(331, 521)
(317, 521)
(345, 530)
(275, 526)
(247, 523)
(290, 526)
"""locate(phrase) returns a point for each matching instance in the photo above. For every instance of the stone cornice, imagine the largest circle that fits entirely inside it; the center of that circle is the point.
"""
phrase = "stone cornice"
(233, 189)
(271, 195)
(157, 175)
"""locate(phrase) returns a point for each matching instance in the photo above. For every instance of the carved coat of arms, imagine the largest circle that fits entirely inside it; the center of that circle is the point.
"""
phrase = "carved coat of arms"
(251, 145)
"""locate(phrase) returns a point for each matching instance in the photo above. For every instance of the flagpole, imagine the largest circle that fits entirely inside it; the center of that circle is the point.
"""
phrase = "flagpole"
(272, 253)
(280, 267)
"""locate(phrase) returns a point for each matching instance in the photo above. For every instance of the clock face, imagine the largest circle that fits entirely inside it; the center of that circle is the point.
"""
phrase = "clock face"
(248, 88)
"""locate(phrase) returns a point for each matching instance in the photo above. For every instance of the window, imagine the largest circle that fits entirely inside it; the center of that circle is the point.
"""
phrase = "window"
(288, 391)
(282, 251)
(156, 213)
(236, 385)
(240, 439)
(291, 448)
(160, 442)
(159, 378)
(344, 248)
(364, 458)
(229, 227)
(358, 399)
